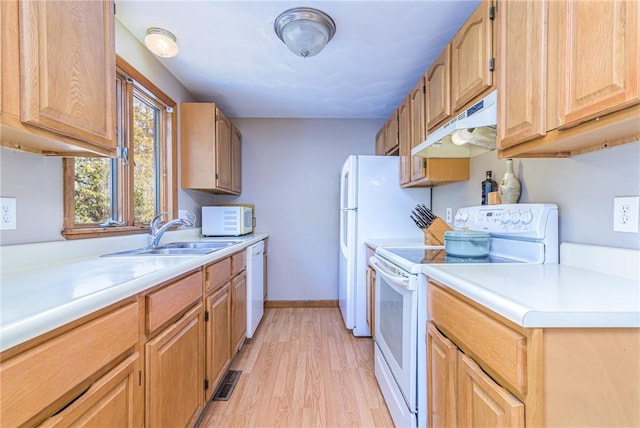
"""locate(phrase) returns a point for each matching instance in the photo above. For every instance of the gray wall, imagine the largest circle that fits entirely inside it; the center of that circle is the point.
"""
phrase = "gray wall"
(583, 187)
(291, 172)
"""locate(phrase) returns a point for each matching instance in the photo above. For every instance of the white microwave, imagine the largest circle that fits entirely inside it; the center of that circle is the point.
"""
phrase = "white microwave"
(226, 221)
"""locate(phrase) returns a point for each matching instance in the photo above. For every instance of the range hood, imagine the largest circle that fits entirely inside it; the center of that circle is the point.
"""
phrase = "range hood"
(469, 134)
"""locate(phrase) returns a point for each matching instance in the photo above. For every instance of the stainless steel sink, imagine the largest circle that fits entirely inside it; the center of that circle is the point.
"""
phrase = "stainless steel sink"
(177, 249)
(217, 245)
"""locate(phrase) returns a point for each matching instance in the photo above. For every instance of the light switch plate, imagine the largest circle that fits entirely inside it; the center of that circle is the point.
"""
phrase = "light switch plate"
(625, 214)
(8, 214)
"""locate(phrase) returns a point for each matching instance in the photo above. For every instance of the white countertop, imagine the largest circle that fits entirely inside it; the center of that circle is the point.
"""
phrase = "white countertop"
(545, 295)
(394, 242)
(51, 290)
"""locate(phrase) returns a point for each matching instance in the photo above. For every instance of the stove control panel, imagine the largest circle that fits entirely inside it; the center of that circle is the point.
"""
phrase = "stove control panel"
(534, 221)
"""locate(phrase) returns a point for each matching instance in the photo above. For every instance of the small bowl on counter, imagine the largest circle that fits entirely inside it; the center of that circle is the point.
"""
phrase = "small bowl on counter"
(466, 243)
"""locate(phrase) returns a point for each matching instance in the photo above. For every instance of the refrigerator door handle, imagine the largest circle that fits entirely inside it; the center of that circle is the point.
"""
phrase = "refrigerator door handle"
(344, 213)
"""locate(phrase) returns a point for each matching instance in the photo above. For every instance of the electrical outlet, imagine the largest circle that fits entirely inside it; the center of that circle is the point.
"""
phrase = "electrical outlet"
(449, 215)
(8, 214)
(625, 214)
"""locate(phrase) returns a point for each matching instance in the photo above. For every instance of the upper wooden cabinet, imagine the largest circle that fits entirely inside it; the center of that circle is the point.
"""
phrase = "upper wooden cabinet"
(380, 142)
(522, 74)
(58, 77)
(428, 172)
(391, 137)
(472, 57)
(236, 160)
(464, 69)
(438, 82)
(209, 159)
(418, 131)
(404, 138)
(598, 59)
(568, 77)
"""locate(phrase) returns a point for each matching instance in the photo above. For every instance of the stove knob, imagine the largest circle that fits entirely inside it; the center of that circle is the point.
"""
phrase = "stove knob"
(515, 217)
(504, 218)
(527, 217)
(464, 216)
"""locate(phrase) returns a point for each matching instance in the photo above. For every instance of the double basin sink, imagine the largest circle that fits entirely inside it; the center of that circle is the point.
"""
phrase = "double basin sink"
(177, 249)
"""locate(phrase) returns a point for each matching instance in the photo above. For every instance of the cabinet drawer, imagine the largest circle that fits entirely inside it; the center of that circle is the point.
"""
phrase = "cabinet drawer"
(217, 274)
(238, 263)
(495, 346)
(169, 301)
(42, 380)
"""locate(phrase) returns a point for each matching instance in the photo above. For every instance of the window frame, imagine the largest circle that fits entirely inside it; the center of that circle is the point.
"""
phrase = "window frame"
(167, 170)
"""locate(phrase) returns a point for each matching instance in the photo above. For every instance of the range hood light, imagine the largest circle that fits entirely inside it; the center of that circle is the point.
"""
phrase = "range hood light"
(462, 136)
(470, 133)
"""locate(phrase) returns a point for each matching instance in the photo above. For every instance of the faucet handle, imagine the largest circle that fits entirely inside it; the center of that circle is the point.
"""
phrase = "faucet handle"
(153, 226)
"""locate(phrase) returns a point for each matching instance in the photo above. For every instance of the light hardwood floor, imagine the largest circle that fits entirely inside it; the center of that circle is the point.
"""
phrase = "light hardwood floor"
(303, 369)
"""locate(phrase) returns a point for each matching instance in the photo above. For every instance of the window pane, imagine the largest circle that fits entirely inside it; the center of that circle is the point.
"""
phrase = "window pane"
(92, 190)
(145, 118)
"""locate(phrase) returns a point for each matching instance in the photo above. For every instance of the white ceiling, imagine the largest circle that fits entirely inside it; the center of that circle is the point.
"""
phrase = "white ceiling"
(230, 54)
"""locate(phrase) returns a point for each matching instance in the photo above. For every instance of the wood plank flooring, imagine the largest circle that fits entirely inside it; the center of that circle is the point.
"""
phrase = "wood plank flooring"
(303, 368)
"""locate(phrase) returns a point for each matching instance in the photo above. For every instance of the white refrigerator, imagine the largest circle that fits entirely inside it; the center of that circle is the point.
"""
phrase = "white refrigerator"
(372, 206)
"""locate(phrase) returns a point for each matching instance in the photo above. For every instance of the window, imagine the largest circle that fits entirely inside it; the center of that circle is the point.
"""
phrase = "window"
(109, 196)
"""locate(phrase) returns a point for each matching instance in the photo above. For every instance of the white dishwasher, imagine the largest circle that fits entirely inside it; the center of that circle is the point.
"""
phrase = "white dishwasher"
(255, 284)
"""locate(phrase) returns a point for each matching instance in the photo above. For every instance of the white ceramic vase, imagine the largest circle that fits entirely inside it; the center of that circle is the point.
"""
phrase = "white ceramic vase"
(509, 188)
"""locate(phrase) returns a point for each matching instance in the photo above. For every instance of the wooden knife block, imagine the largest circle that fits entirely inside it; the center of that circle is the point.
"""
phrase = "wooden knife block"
(434, 234)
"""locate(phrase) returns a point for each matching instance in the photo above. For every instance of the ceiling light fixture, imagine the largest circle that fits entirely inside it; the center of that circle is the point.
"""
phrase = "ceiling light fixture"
(161, 42)
(304, 30)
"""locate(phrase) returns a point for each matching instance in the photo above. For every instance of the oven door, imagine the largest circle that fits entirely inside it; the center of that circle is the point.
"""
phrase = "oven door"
(396, 325)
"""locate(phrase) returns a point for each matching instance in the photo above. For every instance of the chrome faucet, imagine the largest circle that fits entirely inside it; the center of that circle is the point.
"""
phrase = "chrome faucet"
(156, 231)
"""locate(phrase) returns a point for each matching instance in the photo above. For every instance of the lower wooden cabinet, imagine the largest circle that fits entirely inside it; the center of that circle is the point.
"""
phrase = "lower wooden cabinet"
(484, 370)
(482, 402)
(442, 357)
(66, 371)
(114, 401)
(174, 369)
(218, 337)
(239, 310)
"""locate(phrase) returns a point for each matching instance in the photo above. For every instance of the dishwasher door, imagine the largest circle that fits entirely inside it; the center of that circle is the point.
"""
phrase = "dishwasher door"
(255, 283)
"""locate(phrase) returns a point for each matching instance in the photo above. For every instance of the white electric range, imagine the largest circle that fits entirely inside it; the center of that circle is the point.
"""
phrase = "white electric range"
(519, 233)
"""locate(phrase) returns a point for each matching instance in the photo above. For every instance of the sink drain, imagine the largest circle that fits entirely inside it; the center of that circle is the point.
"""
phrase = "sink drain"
(228, 384)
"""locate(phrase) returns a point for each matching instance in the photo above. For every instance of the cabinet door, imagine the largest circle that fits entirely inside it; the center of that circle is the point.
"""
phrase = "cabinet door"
(417, 109)
(471, 52)
(224, 175)
(523, 71)
(598, 59)
(236, 161)
(113, 400)
(371, 296)
(380, 142)
(239, 313)
(68, 68)
(391, 134)
(404, 136)
(265, 282)
(218, 337)
(482, 402)
(438, 82)
(174, 373)
(442, 357)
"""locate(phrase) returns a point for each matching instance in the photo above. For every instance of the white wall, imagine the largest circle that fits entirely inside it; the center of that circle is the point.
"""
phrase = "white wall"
(291, 172)
(583, 187)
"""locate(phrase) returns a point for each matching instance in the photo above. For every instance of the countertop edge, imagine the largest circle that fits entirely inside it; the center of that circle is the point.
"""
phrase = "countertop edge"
(21, 331)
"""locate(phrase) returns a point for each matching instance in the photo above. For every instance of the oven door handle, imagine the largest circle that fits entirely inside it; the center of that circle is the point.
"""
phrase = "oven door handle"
(390, 277)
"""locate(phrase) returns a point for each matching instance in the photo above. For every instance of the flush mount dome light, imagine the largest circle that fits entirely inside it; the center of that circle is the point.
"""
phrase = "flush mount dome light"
(304, 30)
(161, 42)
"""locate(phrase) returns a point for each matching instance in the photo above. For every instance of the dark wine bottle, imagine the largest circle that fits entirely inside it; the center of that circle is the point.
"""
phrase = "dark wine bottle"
(488, 185)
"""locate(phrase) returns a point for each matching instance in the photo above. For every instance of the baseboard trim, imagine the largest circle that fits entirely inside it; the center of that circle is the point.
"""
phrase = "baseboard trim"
(301, 304)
